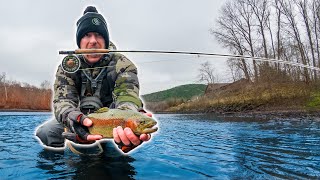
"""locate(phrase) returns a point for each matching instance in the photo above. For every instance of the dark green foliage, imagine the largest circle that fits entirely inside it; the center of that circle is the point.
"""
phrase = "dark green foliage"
(185, 92)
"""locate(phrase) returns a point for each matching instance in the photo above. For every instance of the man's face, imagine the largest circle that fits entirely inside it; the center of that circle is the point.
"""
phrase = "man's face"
(92, 40)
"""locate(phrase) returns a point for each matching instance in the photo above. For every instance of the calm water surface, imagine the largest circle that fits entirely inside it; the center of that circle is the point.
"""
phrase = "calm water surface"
(186, 147)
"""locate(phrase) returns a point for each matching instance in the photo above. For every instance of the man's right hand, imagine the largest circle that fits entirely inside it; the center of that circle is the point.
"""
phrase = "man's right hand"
(77, 124)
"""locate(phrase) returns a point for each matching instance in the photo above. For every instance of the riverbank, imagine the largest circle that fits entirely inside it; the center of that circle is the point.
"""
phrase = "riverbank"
(270, 114)
(272, 99)
(275, 114)
(295, 99)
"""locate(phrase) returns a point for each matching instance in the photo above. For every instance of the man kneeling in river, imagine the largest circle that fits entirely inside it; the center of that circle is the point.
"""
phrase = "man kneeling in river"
(75, 94)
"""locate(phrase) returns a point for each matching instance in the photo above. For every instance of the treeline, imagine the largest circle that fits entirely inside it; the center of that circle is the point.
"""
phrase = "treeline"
(279, 29)
(17, 95)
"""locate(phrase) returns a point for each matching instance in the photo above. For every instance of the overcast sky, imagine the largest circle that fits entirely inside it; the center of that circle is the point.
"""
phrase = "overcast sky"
(32, 33)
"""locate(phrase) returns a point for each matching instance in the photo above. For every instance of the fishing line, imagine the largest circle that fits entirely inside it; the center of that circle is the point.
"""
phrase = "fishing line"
(76, 61)
(144, 62)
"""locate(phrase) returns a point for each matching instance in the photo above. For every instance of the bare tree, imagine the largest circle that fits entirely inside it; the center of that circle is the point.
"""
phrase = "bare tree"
(285, 29)
(3, 82)
(206, 73)
(244, 23)
(230, 36)
(278, 21)
(236, 72)
(260, 9)
(303, 5)
(2, 78)
(45, 85)
(293, 30)
(315, 21)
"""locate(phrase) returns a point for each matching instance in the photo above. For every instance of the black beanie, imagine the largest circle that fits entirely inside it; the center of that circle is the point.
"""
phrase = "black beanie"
(92, 21)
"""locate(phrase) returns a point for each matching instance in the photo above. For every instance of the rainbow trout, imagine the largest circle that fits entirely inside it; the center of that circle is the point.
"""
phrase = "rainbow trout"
(105, 119)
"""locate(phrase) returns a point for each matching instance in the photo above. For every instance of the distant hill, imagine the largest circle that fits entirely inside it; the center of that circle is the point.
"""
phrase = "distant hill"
(185, 92)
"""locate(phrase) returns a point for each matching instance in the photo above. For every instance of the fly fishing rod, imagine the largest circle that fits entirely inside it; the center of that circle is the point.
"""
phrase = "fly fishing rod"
(71, 63)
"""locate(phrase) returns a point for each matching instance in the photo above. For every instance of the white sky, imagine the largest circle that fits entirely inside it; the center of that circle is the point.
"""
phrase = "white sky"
(32, 33)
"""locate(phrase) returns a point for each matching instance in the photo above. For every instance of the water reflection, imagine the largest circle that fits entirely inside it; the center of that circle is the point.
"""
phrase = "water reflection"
(64, 164)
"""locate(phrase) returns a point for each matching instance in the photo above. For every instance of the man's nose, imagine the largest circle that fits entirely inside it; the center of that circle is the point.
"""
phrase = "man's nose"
(93, 40)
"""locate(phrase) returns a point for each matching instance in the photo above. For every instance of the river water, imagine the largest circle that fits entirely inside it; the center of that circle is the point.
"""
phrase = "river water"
(185, 147)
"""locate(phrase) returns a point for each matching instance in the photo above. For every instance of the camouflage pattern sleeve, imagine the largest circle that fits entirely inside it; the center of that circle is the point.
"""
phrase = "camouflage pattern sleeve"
(126, 90)
(66, 96)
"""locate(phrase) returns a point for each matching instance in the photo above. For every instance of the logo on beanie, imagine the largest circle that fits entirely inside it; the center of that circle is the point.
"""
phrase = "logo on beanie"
(96, 21)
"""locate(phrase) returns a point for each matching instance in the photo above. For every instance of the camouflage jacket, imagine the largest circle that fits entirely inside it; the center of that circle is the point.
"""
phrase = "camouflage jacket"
(122, 90)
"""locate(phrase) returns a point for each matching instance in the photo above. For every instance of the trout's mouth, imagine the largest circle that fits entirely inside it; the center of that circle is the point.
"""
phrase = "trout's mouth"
(150, 128)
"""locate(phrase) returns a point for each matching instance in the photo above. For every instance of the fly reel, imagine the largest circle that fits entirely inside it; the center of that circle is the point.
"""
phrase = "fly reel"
(70, 64)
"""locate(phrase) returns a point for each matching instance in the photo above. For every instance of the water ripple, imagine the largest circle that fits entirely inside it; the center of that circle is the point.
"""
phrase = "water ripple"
(186, 147)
